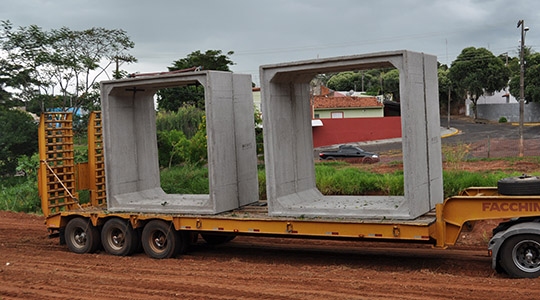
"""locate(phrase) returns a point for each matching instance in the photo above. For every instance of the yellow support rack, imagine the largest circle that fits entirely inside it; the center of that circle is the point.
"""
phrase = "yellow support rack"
(57, 165)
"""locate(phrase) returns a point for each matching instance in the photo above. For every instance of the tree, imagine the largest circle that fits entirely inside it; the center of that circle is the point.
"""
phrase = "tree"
(445, 85)
(18, 138)
(369, 81)
(390, 81)
(172, 99)
(477, 71)
(60, 62)
(532, 79)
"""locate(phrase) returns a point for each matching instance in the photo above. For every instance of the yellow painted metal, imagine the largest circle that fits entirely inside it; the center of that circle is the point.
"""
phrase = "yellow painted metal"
(57, 165)
(476, 204)
(309, 228)
(96, 164)
(57, 169)
(264, 225)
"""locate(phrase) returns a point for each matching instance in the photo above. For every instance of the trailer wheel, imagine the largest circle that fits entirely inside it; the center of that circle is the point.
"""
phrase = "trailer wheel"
(520, 256)
(217, 239)
(160, 240)
(519, 186)
(81, 236)
(119, 238)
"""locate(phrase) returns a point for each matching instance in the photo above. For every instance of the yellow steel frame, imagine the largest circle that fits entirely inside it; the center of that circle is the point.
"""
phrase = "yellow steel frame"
(479, 203)
(441, 230)
(56, 182)
(96, 163)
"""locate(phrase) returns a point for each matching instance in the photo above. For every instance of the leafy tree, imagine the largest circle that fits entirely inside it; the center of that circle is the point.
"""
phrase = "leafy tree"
(18, 138)
(445, 86)
(531, 79)
(477, 71)
(210, 60)
(390, 81)
(61, 62)
(344, 81)
(186, 119)
(173, 98)
(369, 81)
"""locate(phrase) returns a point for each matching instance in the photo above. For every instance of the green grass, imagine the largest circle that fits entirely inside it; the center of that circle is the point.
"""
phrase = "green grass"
(187, 179)
(19, 194)
(332, 178)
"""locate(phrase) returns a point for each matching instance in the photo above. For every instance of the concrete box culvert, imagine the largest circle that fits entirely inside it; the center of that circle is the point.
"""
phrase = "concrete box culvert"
(288, 140)
(130, 144)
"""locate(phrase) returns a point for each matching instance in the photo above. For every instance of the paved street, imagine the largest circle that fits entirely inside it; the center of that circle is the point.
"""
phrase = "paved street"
(468, 132)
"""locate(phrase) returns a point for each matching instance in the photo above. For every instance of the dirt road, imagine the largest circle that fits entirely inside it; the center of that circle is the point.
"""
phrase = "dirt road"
(32, 266)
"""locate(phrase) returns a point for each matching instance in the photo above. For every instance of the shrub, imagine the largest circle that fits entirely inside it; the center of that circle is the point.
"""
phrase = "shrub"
(22, 197)
(455, 154)
(503, 120)
(174, 148)
(186, 120)
(187, 179)
(18, 137)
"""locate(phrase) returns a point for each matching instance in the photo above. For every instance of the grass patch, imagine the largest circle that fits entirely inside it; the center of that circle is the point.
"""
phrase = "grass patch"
(456, 181)
(332, 178)
(187, 179)
(353, 181)
(19, 194)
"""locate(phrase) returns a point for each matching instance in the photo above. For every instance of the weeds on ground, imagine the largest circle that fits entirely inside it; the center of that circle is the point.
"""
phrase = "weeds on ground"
(454, 155)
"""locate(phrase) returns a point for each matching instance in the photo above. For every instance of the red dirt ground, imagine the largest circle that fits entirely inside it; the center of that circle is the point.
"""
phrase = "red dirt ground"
(32, 266)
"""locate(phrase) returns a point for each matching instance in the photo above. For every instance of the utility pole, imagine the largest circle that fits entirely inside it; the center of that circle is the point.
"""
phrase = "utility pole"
(448, 106)
(521, 24)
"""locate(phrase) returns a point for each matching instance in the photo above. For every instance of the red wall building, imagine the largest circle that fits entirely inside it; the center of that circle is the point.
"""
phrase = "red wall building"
(342, 131)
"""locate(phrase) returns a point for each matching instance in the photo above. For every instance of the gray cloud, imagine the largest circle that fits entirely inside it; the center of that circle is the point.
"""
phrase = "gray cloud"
(264, 31)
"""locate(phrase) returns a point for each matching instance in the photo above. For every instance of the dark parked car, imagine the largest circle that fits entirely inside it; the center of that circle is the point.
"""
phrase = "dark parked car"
(350, 153)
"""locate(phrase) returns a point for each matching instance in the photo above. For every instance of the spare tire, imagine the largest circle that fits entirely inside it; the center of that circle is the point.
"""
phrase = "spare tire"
(523, 185)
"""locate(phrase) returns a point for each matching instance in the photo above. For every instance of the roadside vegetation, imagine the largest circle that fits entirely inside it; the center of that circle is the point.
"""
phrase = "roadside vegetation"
(20, 193)
(35, 62)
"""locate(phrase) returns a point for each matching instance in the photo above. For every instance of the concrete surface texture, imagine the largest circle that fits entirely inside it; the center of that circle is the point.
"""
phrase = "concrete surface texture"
(131, 154)
(288, 142)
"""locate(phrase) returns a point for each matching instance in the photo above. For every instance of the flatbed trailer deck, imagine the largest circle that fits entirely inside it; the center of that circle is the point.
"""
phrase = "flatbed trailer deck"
(440, 227)
(87, 227)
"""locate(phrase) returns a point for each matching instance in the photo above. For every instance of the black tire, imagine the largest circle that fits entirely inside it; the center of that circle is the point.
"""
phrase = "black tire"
(217, 239)
(523, 185)
(119, 238)
(367, 160)
(81, 236)
(520, 256)
(160, 240)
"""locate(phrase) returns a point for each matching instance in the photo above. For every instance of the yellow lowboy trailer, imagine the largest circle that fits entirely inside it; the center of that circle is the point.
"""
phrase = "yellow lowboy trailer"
(87, 227)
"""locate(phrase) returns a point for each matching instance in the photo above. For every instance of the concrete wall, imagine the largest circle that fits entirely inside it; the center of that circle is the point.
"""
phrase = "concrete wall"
(130, 145)
(493, 112)
(288, 141)
(341, 131)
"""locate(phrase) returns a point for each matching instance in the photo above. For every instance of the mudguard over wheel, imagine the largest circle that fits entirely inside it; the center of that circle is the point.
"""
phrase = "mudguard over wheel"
(81, 236)
(523, 185)
(160, 240)
(119, 238)
(520, 256)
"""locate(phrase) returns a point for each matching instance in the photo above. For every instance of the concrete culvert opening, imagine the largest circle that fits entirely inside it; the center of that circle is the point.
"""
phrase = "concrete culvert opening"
(131, 154)
(290, 173)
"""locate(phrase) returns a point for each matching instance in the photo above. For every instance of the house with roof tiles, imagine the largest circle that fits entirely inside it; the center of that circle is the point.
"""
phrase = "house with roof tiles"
(340, 107)
(345, 117)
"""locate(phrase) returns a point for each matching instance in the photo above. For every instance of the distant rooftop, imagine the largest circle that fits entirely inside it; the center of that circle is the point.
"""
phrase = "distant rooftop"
(345, 102)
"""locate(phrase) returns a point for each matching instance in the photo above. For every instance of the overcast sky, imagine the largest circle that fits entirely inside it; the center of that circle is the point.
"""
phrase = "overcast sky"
(265, 32)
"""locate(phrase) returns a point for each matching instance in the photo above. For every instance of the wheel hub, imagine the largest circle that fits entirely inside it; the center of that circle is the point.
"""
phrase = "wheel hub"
(526, 255)
(80, 238)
